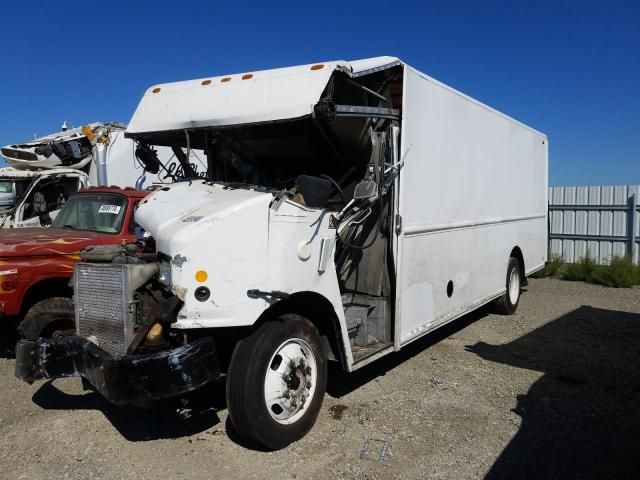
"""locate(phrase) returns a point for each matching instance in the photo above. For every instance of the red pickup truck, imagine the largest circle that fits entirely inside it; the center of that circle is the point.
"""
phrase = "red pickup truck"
(36, 264)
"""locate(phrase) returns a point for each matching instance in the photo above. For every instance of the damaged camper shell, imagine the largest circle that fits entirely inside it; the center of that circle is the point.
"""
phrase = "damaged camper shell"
(58, 164)
(349, 208)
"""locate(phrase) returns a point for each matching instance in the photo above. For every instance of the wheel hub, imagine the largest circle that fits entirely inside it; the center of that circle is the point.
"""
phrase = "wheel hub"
(293, 380)
(289, 381)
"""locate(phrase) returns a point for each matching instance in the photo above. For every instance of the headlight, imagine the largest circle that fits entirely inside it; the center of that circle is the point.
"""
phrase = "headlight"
(164, 277)
(8, 280)
(141, 233)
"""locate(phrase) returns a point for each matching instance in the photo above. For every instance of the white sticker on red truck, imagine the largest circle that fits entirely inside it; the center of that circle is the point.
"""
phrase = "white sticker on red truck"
(115, 209)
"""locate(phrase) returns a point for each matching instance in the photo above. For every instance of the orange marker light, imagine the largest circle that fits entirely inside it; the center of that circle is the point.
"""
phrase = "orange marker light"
(155, 90)
(206, 82)
(226, 79)
(317, 67)
(201, 276)
(247, 76)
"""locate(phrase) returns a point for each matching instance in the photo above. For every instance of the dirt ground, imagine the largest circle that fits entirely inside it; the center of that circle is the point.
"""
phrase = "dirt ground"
(551, 392)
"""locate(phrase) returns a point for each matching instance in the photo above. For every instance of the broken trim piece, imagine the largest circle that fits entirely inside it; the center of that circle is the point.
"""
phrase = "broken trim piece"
(367, 112)
(369, 71)
(132, 379)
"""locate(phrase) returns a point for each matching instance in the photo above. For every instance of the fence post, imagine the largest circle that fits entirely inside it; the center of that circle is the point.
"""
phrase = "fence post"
(632, 225)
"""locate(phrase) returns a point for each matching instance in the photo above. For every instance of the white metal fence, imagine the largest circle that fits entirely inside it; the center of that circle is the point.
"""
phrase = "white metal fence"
(601, 220)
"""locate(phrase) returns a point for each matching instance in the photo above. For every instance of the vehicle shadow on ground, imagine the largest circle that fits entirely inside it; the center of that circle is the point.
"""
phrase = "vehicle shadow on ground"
(341, 383)
(581, 418)
(189, 416)
(8, 337)
(199, 410)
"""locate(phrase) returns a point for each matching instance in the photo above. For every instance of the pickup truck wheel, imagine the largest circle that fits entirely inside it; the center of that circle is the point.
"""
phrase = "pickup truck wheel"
(49, 318)
(508, 303)
(276, 382)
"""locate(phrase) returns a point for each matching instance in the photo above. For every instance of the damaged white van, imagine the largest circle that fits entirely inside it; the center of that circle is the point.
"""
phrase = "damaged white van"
(349, 208)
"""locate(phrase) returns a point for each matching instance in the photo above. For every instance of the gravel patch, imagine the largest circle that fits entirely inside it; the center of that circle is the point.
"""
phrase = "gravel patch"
(551, 392)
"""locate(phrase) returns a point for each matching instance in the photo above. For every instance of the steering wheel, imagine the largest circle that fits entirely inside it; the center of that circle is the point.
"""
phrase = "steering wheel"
(335, 184)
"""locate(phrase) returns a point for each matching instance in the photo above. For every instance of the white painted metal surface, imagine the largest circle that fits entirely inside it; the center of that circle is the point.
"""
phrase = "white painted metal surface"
(250, 97)
(594, 220)
(472, 188)
(268, 95)
(223, 232)
(10, 172)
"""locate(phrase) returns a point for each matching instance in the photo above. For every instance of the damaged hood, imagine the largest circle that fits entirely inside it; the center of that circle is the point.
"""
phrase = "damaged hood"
(187, 212)
(25, 242)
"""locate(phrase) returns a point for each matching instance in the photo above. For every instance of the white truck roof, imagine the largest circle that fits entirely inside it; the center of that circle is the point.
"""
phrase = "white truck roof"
(253, 97)
(10, 172)
(241, 98)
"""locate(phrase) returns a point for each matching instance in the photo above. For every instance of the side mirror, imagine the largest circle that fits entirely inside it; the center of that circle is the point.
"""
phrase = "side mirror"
(149, 158)
(366, 189)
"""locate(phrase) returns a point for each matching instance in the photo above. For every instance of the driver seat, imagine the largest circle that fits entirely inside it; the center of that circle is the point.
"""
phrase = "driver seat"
(315, 191)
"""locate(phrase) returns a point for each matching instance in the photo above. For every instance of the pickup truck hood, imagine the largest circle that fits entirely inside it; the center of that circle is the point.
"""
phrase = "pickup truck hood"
(23, 242)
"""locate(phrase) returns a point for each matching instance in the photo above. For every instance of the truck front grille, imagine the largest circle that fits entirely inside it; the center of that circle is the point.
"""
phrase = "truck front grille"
(102, 305)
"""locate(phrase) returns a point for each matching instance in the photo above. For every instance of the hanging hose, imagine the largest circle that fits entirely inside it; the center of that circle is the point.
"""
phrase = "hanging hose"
(375, 236)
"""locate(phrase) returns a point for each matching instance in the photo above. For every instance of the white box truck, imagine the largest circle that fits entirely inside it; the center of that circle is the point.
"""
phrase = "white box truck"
(349, 209)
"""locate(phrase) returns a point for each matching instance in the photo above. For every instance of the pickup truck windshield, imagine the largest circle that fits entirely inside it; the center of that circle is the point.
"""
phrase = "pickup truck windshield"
(6, 186)
(99, 212)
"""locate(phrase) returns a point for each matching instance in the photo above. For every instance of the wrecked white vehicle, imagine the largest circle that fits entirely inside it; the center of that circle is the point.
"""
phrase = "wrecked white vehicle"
(349, 208)
(53, 186)
(13, 184)
(71, 148)
(47, 170)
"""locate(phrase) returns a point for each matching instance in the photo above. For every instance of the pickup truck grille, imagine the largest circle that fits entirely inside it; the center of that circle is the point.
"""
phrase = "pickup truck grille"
(102, 306)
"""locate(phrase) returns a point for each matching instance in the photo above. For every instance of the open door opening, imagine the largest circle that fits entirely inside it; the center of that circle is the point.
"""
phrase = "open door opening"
(364, 261)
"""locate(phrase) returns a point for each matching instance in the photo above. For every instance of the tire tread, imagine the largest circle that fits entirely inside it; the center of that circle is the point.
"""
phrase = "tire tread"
(38, 317)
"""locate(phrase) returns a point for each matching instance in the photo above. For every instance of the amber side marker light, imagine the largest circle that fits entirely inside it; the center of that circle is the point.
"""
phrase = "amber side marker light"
(156, 90)
(206, 82)
(320, 66)
(247, 76)
(201, 276)
(226, 79)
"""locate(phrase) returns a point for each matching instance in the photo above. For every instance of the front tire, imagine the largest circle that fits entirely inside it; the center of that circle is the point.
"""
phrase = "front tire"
(276, 382)
(507, 304)
(49, 318)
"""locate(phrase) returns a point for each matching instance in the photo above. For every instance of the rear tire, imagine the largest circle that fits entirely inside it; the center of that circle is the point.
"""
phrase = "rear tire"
(507, 304)
(49, 318)
(276, 382)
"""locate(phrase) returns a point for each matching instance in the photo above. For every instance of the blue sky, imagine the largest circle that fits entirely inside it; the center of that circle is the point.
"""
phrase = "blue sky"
(569, 69)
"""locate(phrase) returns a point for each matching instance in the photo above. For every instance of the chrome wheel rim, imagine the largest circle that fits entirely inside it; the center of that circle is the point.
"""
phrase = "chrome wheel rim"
(290, 381)
(514, 286)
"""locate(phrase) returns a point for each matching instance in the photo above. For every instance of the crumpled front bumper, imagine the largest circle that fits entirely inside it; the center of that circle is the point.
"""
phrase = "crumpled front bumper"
(132, 379)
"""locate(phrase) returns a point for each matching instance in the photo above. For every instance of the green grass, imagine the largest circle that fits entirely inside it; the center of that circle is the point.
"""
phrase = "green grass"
(620, 272)
(581, 271)
(552, 267)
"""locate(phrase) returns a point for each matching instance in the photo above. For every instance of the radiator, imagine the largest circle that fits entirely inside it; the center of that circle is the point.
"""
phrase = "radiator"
(104, 309)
